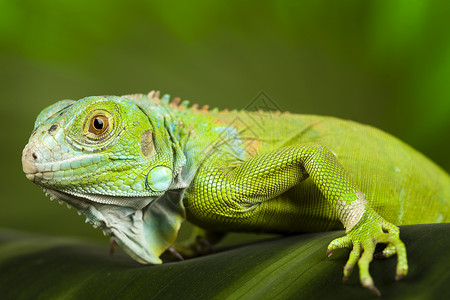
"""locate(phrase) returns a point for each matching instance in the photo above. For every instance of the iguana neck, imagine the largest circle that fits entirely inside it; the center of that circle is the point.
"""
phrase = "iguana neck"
(193, 133)
(197, 135)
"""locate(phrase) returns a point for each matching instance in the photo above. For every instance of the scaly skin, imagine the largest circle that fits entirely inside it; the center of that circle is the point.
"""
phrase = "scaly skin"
(137, 166)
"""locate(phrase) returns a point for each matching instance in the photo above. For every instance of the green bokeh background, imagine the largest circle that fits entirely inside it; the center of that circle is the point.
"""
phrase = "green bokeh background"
(381, 62)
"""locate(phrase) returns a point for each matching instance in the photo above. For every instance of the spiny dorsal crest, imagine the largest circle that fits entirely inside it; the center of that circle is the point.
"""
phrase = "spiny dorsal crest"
(176, 102)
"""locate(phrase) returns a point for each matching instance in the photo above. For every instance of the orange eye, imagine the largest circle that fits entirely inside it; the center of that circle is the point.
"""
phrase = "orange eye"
(99, 124)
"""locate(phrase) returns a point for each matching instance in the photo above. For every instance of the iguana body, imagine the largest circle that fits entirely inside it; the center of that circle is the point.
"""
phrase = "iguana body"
(137, 166)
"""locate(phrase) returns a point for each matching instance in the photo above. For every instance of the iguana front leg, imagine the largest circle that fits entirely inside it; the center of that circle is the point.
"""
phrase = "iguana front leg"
(225, 195)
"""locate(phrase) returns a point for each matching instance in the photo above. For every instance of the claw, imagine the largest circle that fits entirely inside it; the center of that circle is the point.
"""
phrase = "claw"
(175, 253)
(205, 246)
(329, 253)
(374, 290)
(368, 284)
(380, 255)
(113, 245)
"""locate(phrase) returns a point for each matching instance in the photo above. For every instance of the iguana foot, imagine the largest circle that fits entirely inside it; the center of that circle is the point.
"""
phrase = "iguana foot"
(189, 249)
(198, 244)
(362, 238)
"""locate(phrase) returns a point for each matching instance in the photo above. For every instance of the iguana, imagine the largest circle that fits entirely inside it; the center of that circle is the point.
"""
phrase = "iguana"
(138, 165)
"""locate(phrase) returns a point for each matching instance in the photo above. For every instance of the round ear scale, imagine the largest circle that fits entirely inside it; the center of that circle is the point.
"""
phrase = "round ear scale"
(159, 178)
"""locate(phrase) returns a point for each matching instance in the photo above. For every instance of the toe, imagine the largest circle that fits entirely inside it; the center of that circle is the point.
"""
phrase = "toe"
(352, 260)
(387, 252)
(342, 242)
(363, 264)
(402, 261)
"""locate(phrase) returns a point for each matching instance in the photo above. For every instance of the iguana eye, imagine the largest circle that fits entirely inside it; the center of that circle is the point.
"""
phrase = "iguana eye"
(98, 124)
(95, 126)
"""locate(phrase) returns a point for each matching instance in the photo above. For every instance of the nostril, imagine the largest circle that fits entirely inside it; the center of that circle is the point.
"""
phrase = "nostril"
(30, 160)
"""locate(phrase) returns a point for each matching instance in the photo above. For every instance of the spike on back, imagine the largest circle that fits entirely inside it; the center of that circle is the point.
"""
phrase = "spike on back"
(152, 95)
(166, 98)
(176, 102)
(185, 104)
(134, 96)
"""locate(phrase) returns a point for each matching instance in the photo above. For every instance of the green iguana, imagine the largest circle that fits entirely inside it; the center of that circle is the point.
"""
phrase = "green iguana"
(138, 165)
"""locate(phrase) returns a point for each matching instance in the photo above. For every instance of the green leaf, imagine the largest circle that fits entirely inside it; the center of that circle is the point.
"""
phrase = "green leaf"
(294, 267)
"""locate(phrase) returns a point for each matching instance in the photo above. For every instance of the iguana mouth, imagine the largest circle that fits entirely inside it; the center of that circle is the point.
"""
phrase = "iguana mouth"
(37, 168)
(82, 202)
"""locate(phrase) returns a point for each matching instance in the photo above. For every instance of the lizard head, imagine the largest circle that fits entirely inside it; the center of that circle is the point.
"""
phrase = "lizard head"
(117, 163)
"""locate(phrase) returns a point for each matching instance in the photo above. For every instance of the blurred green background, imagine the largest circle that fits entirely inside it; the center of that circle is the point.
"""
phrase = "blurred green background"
(382, 62)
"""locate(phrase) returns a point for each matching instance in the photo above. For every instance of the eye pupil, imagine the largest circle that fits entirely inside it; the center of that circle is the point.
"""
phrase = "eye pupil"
(98, 124)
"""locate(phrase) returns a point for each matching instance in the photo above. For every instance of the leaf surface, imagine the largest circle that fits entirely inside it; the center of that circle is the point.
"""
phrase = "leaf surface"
(294, 267)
